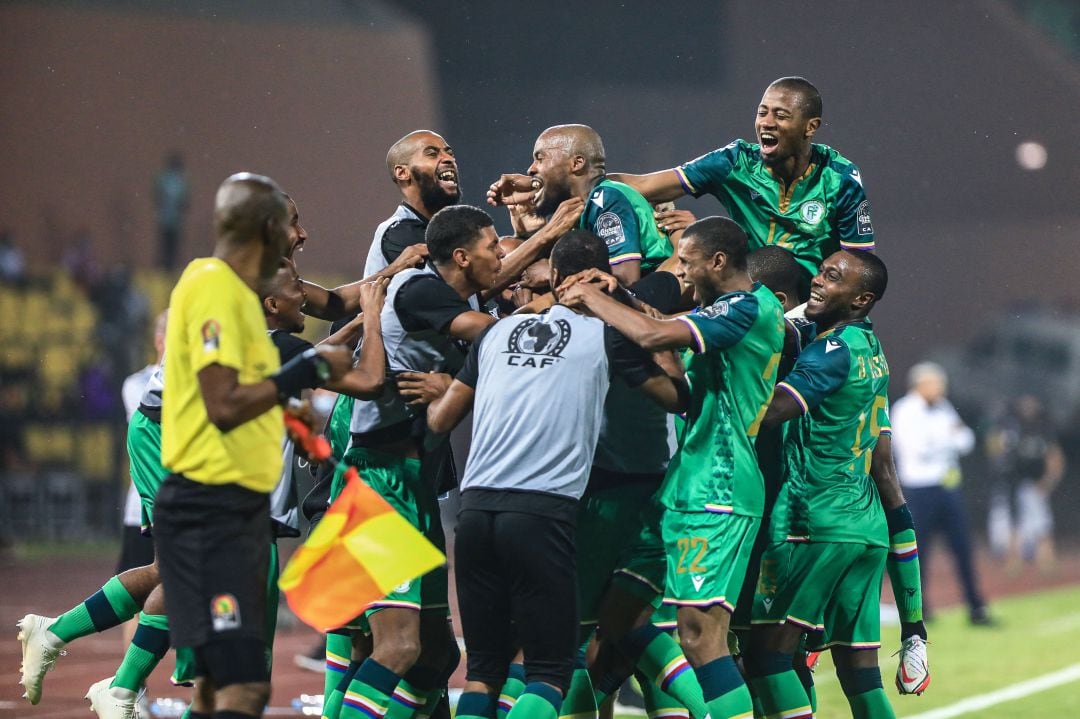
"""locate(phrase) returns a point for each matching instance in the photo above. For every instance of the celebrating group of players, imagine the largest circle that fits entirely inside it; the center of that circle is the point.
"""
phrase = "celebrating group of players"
(677, 424)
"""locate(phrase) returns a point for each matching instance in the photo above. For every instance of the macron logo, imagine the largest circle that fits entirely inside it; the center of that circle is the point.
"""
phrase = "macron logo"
(831, 345)
(598, 199)
(698, 580)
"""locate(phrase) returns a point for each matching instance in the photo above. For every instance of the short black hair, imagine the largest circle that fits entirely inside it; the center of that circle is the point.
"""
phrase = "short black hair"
(720, 234)
(453, 227)
(809, 97)
(577, 251)
(775, 268)
(875, 276)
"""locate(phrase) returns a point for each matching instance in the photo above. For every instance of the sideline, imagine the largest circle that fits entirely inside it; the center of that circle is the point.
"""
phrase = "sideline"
(1015, 691)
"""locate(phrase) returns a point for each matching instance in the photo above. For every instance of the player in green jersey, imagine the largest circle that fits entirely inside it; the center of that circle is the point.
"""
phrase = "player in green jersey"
(784, 189)
(823, 568)
(568, 161)
(713, 493)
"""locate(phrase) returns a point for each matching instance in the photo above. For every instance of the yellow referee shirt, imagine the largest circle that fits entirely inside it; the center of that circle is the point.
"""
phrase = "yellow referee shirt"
(214, 318)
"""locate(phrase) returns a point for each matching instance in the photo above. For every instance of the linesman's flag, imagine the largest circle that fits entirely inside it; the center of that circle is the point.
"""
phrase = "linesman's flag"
(358, 553)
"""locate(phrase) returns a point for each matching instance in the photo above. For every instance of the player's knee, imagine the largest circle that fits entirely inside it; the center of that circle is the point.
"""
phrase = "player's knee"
(398, 653)
(245, 698)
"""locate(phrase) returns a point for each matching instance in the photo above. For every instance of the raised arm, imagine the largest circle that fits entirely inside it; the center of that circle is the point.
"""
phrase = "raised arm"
(365, 380)
(652, 334)
(344, 300)
(656, 186)
(537, 246)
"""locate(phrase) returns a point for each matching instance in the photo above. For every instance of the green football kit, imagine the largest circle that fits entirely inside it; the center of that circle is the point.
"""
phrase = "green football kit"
(824, 564)
(823, 211)
(623, 219)
(713, 492)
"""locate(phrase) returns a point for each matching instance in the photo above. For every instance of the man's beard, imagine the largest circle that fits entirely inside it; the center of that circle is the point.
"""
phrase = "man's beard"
(432, 194)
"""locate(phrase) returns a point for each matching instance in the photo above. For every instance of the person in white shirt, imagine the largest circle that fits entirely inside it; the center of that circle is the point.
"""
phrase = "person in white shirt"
(928, 440)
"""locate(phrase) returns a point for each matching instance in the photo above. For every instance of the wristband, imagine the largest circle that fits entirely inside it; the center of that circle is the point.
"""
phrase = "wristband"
(306, 371)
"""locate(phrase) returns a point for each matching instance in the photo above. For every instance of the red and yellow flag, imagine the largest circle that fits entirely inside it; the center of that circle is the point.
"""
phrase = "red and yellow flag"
(359, 551)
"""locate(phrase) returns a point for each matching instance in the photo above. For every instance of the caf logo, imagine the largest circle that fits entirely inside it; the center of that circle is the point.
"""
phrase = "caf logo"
(224, 612)
(537, 337)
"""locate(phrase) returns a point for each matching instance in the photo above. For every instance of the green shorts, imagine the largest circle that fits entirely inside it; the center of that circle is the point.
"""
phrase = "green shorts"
(397, 480)
(618, 544)
(144, 453)
(664, 617)
(708, 553)
(823, 586)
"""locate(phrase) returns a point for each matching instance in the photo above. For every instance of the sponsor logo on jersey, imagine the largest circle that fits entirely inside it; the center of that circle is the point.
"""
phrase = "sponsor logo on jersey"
(224, 612)
(211, 336)
(609, 228)
(812, 212)
(698, 580)
(862, 219)
(856, 176)
(598, 199)
(537, 343)
(767, 601)
(831, 345)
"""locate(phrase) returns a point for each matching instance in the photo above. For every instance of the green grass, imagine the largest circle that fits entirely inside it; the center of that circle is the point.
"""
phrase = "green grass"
(1038, 634)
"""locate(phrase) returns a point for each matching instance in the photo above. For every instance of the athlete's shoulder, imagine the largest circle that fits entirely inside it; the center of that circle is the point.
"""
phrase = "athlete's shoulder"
(832, 161)
(609, 194)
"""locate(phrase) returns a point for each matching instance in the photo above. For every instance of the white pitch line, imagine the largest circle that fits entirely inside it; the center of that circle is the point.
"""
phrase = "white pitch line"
(1009, 693)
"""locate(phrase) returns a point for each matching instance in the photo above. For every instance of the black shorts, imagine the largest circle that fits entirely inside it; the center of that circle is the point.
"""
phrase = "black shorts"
(516, 583)
(136, 549)
(213, 544)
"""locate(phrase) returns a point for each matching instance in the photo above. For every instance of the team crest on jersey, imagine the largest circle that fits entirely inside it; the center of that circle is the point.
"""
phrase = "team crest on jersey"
(862, 219)
(211, 336)
(535, 343)
(812, 212)
(609, 229)
(403, 587)
(224, 612)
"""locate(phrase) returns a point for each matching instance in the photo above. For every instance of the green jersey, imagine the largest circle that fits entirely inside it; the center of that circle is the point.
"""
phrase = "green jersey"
(841, 382)
(623, 219)
(823, 211)
(737, 346)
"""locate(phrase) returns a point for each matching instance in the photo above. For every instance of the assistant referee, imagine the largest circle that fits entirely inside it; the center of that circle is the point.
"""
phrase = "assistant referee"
(221, 441)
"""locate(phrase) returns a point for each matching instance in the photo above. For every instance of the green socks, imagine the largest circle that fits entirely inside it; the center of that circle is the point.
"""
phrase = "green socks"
(538, 701)
(416, 694)
(333, 699)
(777, 685)
(108, 607)
(865, 695)
(475, 705)
(148, 646)
(368, 696)
(724, 690)
(579, 702)
(659, 658)
(659, 705)
(338, 651)
(903, 565)
(511, 690)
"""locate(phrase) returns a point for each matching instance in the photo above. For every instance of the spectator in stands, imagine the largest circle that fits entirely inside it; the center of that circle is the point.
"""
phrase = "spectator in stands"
(928, 440)
(171, 201)
(1028, 464)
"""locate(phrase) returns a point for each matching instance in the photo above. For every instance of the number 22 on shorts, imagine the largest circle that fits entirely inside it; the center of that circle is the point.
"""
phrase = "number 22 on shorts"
(695, 545)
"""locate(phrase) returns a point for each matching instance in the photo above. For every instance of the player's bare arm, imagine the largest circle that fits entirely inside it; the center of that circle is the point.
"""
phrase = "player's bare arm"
(660, 186)
(344, 300)
(782, 407)
(883, 472)
(513, 264)
(652, 334)
(365, 380)
(229, 404)
(446, 412)
(468, 325)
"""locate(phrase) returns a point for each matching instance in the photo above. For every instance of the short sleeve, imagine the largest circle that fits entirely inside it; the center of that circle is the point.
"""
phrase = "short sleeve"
(722, 324)
(821, 370)
(428, 303)
(469, 374)
(706, 173)
(215, 329)
(661, 290)
(884, 423)
(853, 225)
(289, 345)
(628, 361)
(612, 219)
(400, 235)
